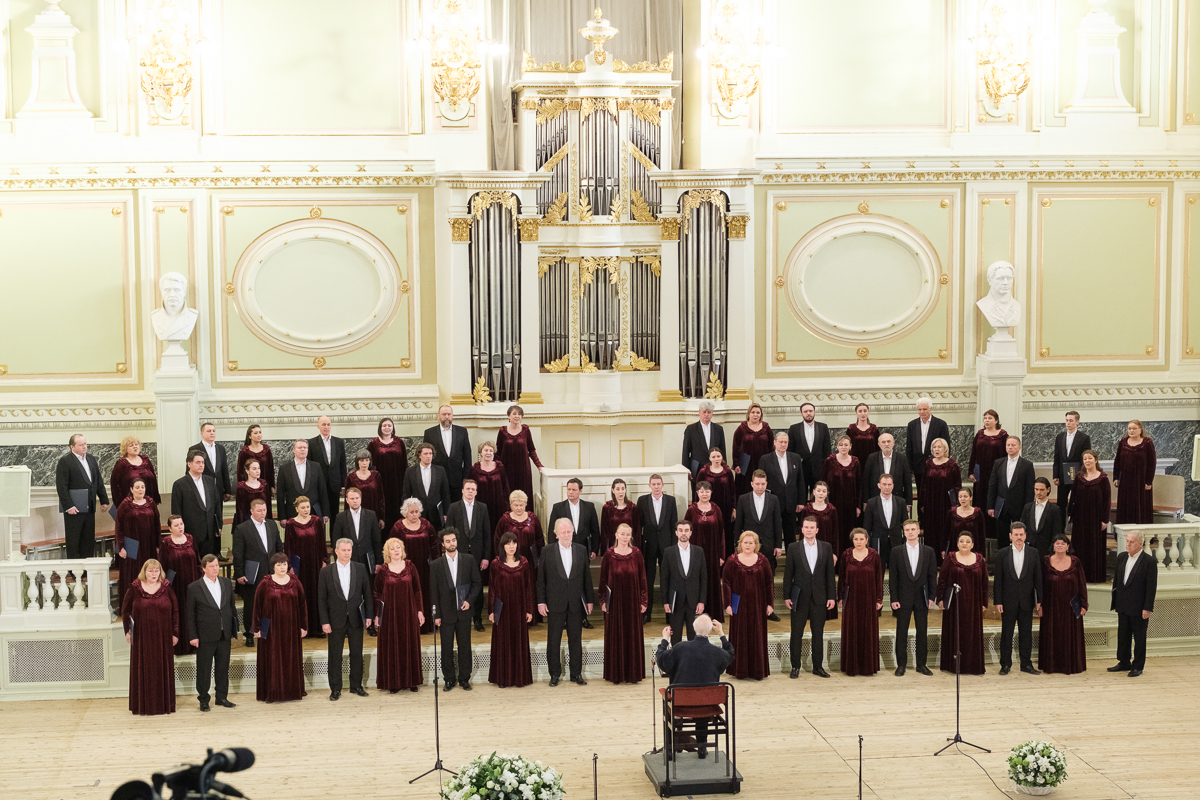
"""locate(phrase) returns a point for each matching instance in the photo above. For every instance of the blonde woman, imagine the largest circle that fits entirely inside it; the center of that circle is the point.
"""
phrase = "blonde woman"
(150, 614)
(130, 467)
(399, 615)
(748, 592)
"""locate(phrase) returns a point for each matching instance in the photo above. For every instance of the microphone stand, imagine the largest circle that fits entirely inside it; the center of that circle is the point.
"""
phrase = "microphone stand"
(654, 700)
(436, 635)
(957, 680)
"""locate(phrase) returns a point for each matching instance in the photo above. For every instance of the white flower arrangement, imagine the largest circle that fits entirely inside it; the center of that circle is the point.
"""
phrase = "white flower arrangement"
(1036, 767)
(501, 777)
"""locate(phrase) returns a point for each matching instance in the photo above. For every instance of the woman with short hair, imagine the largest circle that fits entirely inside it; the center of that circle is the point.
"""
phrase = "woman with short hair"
(150, 616)
(280, 621)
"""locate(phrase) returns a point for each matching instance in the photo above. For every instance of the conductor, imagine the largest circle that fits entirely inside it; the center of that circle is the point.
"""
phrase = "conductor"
(696, 662)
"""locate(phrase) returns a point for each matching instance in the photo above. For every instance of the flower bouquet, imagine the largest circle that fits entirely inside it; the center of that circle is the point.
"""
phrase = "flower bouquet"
(1036, 768)
(499, 777)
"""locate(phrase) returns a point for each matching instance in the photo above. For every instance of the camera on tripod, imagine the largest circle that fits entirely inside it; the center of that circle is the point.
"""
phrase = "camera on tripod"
(191, 781)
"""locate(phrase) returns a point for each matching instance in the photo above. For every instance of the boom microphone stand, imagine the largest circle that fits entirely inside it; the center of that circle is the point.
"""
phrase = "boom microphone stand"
(436, 635)
(957, 679)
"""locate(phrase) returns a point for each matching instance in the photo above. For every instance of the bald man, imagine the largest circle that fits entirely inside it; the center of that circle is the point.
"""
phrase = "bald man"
(330, 452)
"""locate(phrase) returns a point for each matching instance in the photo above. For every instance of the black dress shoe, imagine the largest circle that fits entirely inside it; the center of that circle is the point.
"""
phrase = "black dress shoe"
(203, 706)
(412, 688)
(373, 631)
(466, 685)
(1028, 669)
(587, 623)
(226, 704)
(449, 685)
(335, 694)
(394, 691)
(702, 753)
(579, 681)
(1005, 670)
(924, 670)
(479, 626)
(795, 673)
(820, 673)
(1133, 673)
(249, 641)
(554, 681)
(645, 617)
(773, 617)
(1120, 668)
(360, 691)
(900, 671)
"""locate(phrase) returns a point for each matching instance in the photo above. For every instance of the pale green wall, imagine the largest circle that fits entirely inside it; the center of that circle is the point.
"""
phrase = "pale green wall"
(1192, 266)
(1189, 62)
(174, 254)
(996, 244)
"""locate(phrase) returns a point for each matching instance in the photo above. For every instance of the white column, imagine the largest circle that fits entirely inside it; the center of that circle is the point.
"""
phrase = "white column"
(668, 331)
(531, 367)
(739, 373)
(177, 416)
(52, 91)
(1001, 380)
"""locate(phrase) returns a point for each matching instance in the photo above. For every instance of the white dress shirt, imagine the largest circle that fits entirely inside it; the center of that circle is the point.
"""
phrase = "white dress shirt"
(914, 553)
(355, 516)
(426, 477)
(1010, 468)
(810, 552)
(574, 509)
(685, 557)
(925, 433)
(1018, 559)
(810, 434)
(1070, 441)
(302, 471)
(887, 464)
(1038, 510)
(344, 577)
(261, 527)
(656, 503)
(83, 463)
(214, 588)
(783, 465)
(447, 433)
(200, 488)
(328, 449)
(469, 510)
(707, 431)
(1129, 564)
(452, 567)
(565, 554)
(759, 501)
(886, 503)
(211, 449)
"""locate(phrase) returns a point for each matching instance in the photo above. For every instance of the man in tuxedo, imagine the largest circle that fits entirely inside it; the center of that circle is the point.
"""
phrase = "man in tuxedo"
(659, 517)
(887, 461)
(455, 585)
(1010, 488)
(884, 518)
(361, 526)
(1135, 582)
(78, 482)
(300, 477)
(565, 596)
(1042, 519)
(451, 450)
(196, 498)
(695, 663)
(329, 452)
(582, 514)
(1017, 593)
(427, 482)
(254, 542)
(758, 510)
(912, 584)
(684, 583)
(810, 589)
(212, 626)
(344, 604)
(922, 432)
(471, 521)
(701, 437)
(785, 480)
(809, 439)
(215, 464)
(1069, 446)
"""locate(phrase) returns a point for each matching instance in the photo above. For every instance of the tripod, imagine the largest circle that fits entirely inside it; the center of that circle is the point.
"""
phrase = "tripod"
(957, 680)
(436, 635)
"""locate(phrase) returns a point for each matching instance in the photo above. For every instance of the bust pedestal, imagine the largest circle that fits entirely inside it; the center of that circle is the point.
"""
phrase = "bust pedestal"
(177, 408)
(1002, 372)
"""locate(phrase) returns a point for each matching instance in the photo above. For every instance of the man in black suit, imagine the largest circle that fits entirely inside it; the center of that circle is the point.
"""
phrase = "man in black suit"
(884, 518)
(451, 450)
(701, 437)
(361, 526)
(254, 542)
(455, 585)
(329, 452)
(300, 477)
(196, 498)
(684, 583)
(582, 514)
(216, 466)
(785, 480)
(1010, 488)
(695, 663)
(810, 591)
(471, 521)
(912, 584)
(1135, 582)
(887, 461)
(1042, 519)
(1017, 593)
(809, 439)
(758, 510)
(344, 604)
(659, 518)
(565, 596)
(428, 483)
(79, 484)
(1069, 447)
(922, 433)
(212, 626)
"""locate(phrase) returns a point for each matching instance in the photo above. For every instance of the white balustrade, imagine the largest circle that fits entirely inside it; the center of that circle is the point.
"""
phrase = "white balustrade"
(1173, 546)
(597, 486)
(54, 594)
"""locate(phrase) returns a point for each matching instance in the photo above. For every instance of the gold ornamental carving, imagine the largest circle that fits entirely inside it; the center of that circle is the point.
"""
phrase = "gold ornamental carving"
(233, 366)
(545, 263)
(480, 393)
(405, 363)
(456, 40)
(528, 64)
(582, 207)
(460, 229)
(557, 210)
(714, 391)
(598, 31)
(864, 207)
(585, 365)
(945, 279)
(529, 228)
(558, 364)
(664, 66)
(862, 353)
(590, 105)
(487, 198)
(529, 104)
(640, 208)
(646, 110)
(548, 110)
(737, 226)
(404, 287)
(697, 197)
(943, 353)
(229, 288)
(166, 61)
(319, 362)
(779, 282)
(557, 157)
(669, 228)
(617, 208)
(588, 265)
(122, 367)
(641, 157)
(1044, 352)
(639, 363)
(314, 213)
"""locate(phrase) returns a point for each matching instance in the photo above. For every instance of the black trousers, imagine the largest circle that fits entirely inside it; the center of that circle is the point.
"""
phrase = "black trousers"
(246, 591)
(1024, 622)
(919, 613)
(572, 621)
(335, 640)
(208, 654)
(883, 546)
(80, 534)
(1004, 522)
(1064, 496)
(814, 615)
(451, 632)
(1131, 628)
(652, 556)
(680, 619)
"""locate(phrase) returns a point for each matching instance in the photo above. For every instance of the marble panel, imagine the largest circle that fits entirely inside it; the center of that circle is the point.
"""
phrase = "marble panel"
(43, 458)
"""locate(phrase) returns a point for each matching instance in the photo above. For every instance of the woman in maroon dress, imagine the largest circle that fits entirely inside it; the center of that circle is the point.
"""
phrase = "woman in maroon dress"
(150, 614)
(421, 545)
(860, 592)
(941, 480)
(137, 522)
(307, 552)
(748, 575)
(724, 491)
(280, 621)
(619, 511)
(132, 466)
(963, 518)
(510, 596)
(843, 473)
(514, 447)
(708, 533)
(864, 435)
(1135, 464)
(623, 587)
(391, 460)
(399, 615)
(367, 481)
(1060, 632)
(181, 566)
(969, 570)
(751, 441)
(987, 448)
(526, 527)
(826, 514)
(255, 449)
(253, 487)
(492, 481)
(1088, 510)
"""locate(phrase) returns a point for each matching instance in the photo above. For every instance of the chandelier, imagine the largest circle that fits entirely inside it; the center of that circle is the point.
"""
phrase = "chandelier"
(1001, 49)
(454, 34)
(166, 63)
(735, 54)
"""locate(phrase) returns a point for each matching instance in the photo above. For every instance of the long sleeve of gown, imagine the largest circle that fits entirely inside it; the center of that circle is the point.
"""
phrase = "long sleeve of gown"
(127, 608)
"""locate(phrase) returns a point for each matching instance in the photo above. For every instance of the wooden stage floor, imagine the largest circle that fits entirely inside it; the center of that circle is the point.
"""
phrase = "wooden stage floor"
(1123, 737)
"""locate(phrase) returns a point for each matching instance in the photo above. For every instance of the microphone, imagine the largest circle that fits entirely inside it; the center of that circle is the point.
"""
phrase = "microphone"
(957, 588)
(231, 759)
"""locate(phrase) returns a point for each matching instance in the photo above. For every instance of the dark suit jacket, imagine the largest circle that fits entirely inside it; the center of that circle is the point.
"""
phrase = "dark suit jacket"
(816, 588)
(1015, 494)
(912, 591)
(588, 532)
(901, 472)
(1081, 442)
(247, 546)
(333, 470)
(876, 523)
(792, 492)
(206, 620)
(368, 540)
(219, 472)
(695, 662)
(694, 448)
(1042, 537)
(558, 590)
(475, 538)
(437, 502)
(1136, 596)
(1008, 590)
(457, 462)
(334, 608)
(938, 429)
(769, 526)
(69, 475)
(814, 460)
(445, 595)
(201, 519)
(662, 531)
(288, 488)
(678, 588)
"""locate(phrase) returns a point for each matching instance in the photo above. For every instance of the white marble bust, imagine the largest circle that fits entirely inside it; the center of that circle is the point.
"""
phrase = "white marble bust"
(999, 307)
(174, 321)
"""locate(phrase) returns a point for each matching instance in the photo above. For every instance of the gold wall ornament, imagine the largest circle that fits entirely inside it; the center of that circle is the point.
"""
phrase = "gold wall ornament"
(402, 209)
(529, 65)
(404, 287)
(585, 365)
(588, 265)
(1000, 47)
(669, 228)
(227, 211)
(548, 110)
(545, 263)
(737, 226)
(122, 367)
(3, 369)
(779, 282)
(166, 60)
(233, 366)
(697, 197)
(944, 204)
(639, 207)
(405, 363)
(460, 229)
(617, 208)
(735, 51)
(714, 391)
(557, 210)
(862, 353)
(598, 31)
(583, 209)
(645, 110)
(229, 288)
(456, 37)
(1153, 202)
(667, 65)
(639, 363)
(319, 362)
(943, 353)
(782, 205)
(480, 393)
(483, 200)
(528, 104)
(116, 211)
(781, 357)
(1045, 202)
(864, 207)
(590, 105)
(1149, 349)
(314, 213)
(945, 279)
(1044, 352)
(558, 364)
(529, 228)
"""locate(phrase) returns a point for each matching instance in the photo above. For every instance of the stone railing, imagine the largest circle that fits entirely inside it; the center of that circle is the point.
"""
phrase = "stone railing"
(54, 594)
(597, 485)
(1175, 546)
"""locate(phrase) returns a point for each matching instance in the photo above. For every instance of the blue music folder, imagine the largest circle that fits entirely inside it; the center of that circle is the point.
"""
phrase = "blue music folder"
(112, 511)
(949, 596)
(734, 601)
(1077, 607)
(999, 505)
(296, 564)
(252, 571)
(745, 461)
(264, 627)
(170, 575)
(975, 473)
(131, 547)
(795, 596)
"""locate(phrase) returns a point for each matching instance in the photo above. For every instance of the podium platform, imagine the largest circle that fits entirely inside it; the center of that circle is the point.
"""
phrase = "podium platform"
(691, 776)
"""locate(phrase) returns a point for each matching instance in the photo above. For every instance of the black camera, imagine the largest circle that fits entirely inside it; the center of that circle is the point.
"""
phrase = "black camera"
(188, 781)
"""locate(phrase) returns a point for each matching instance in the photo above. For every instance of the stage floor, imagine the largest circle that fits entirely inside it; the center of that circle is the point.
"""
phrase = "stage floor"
(1123, 737)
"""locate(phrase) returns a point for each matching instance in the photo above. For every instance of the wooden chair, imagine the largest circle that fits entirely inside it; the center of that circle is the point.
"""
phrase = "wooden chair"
(685, 708)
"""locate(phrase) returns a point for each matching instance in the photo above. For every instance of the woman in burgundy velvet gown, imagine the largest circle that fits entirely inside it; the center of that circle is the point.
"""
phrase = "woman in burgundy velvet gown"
(828, 525)
(963, 518)
(421, 545)
(492, 481)
(708, 533)
(941, 478)
(181, 567)
(860, 592)
(399, 615)
(1089, 509)
(253, 486)
(751, 441)
(514, 447)
(391, 461)
(748, 575)
(864, 434)
(304, 539)
(279, 601)
(985, 450)
(724, 492)
(623, 588)
(150, 614)
(255, 449)
(619, 511)
(527, 528)
(969, 570)
(1060, 633)
(132, 466)
(137, 520)
(843, 476)
(511, 586)
(1133, 475)
(367, 481)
